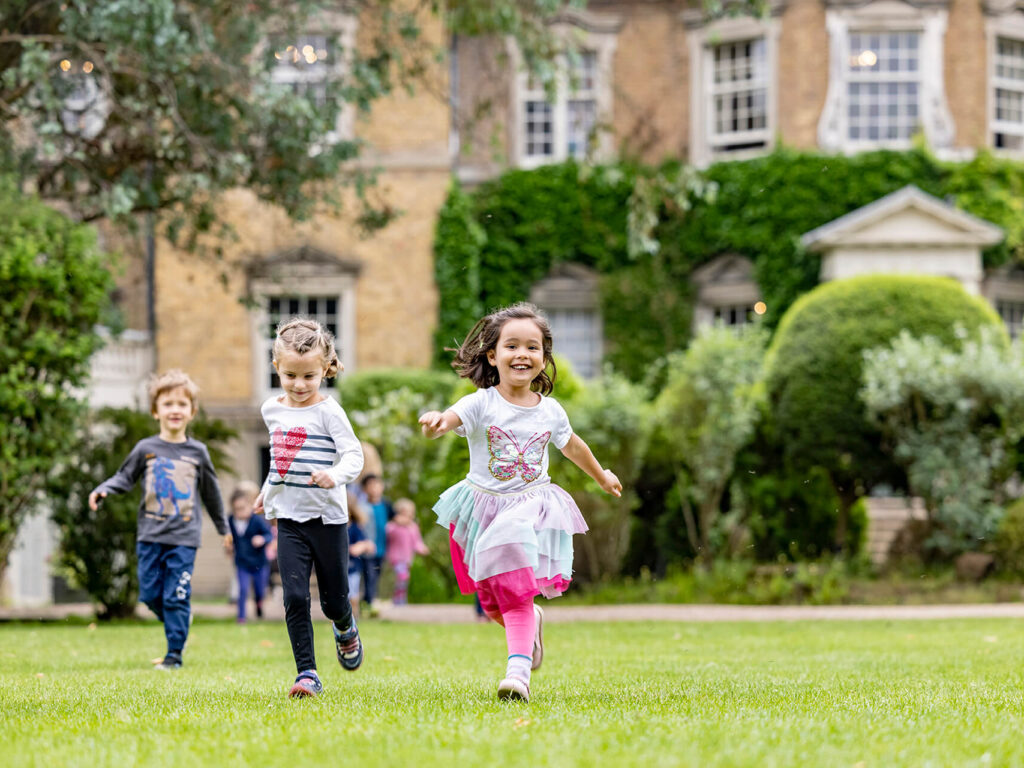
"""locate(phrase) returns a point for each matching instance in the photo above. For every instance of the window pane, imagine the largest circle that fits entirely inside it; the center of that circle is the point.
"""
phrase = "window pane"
(583, 76)
(739, 94)
(1009, 92)
(882, 92)
(304, 64)
(883, 53)
(324, 309)
(1012, 313)
(577, 334)
(582, 119)
(539, 128)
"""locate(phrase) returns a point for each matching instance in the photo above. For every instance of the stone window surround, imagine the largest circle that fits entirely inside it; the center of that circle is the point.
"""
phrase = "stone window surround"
(573, 287)
(724, 282)
(929, 18)
(1003, 18)
(340, 27)
(588, 30)
(289, 274)
(1003, 284)
(702, 36)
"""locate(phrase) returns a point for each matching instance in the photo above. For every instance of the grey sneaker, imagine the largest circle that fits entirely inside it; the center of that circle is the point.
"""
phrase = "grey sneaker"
(538, 638)
(307, 685)
(513, 689)
(349, 647)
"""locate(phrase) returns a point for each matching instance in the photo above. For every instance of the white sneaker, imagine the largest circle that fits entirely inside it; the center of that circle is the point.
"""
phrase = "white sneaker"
(538, 638)
(513, 689)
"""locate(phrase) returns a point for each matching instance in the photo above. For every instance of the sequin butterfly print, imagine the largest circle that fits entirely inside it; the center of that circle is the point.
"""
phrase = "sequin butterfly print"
(508, 459)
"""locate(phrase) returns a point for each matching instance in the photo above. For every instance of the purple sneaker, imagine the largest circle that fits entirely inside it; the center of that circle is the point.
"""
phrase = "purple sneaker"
(307, 685)
(349, 647)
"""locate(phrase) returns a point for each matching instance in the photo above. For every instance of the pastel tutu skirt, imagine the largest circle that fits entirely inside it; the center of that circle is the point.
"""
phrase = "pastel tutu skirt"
(510, 547)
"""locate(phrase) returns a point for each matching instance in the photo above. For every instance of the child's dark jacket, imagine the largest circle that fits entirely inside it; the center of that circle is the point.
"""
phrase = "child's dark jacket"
(249, 557)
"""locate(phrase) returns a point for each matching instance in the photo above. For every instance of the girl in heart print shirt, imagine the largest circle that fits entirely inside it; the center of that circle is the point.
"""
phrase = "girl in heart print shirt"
(313, 455)
(510, 528)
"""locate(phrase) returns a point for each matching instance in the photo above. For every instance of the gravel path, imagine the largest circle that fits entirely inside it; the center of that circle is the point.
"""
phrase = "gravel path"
(461, 614)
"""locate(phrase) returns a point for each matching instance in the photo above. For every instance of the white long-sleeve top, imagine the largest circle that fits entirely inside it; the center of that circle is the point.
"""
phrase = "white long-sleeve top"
(302, 441)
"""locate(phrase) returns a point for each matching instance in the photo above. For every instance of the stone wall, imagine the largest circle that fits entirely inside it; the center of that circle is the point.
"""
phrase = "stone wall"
(887, 517)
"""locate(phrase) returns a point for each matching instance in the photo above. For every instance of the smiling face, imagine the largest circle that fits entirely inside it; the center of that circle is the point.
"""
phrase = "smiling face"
(519, 354)
(174, 409)
(300, 377)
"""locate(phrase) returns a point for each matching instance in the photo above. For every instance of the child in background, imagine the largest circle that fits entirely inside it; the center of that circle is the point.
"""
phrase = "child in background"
(250, 538)
(404, 543)
(380, 512)
(176, 473)
(509, 527)
(313, 454)
(359, 546)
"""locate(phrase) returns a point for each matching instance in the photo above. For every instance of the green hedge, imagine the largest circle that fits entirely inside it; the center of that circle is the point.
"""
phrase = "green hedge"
(357, 390)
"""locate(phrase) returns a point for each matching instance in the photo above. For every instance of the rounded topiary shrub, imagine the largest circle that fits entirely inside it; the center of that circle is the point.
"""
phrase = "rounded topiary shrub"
(815, 363)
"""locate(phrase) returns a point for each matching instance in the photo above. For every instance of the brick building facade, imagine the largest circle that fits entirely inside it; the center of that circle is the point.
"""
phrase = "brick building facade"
(653, 79)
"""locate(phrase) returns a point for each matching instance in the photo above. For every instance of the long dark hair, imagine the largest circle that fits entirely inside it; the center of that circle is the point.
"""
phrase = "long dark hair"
(471, 357)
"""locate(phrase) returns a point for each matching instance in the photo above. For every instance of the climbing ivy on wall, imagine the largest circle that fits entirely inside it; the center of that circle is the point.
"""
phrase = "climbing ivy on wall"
(495, 241)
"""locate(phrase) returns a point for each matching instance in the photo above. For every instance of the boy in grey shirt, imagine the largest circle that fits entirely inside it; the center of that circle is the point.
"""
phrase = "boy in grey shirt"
(177, 473)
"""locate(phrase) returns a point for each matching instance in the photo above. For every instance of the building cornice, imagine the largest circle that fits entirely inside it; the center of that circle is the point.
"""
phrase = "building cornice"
(1002, 7)
(695, 18)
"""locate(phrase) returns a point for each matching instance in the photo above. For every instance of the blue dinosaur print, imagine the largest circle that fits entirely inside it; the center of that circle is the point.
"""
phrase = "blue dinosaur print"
(163, 484)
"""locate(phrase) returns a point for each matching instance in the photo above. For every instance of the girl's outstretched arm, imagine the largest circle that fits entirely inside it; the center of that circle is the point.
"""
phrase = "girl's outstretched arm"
(434, 423)
(579, 453)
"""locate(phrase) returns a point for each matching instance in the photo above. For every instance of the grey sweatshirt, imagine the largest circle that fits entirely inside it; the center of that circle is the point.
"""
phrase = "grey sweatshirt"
(175, 476)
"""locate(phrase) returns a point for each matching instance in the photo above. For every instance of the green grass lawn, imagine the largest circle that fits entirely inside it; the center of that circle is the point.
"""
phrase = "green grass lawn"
(945, 693)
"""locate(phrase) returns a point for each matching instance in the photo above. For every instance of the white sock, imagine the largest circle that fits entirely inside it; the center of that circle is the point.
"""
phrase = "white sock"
(519, 668)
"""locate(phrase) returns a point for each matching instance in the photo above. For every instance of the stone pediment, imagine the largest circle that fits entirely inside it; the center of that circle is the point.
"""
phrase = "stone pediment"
(305, 260)
(567, 286)
(1002, 7)
(906, 218)
(728, 269)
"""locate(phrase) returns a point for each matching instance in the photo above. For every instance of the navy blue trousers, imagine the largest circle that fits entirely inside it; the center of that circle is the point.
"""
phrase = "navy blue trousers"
(165, 586)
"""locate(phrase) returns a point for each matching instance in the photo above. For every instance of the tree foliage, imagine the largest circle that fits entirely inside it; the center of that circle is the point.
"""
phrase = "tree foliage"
(130, 106)
(952, 417)
(613, 416)
(97, 549)
(708, 412)
(55, 290)
(815, 368)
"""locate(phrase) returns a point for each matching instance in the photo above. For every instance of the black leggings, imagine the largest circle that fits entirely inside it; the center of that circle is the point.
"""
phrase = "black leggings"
(302, 547)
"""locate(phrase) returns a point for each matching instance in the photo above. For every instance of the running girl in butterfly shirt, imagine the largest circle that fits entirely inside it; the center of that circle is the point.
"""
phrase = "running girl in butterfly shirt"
(510, 528)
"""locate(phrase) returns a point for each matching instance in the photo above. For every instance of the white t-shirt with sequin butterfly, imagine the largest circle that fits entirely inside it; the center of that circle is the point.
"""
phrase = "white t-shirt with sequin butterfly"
(508, 444)
(302, 441)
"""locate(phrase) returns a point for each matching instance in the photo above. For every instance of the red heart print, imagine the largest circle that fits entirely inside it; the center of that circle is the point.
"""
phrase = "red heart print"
(287, 447)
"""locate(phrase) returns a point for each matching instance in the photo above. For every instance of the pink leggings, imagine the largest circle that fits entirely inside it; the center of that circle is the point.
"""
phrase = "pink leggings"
(519, 622)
